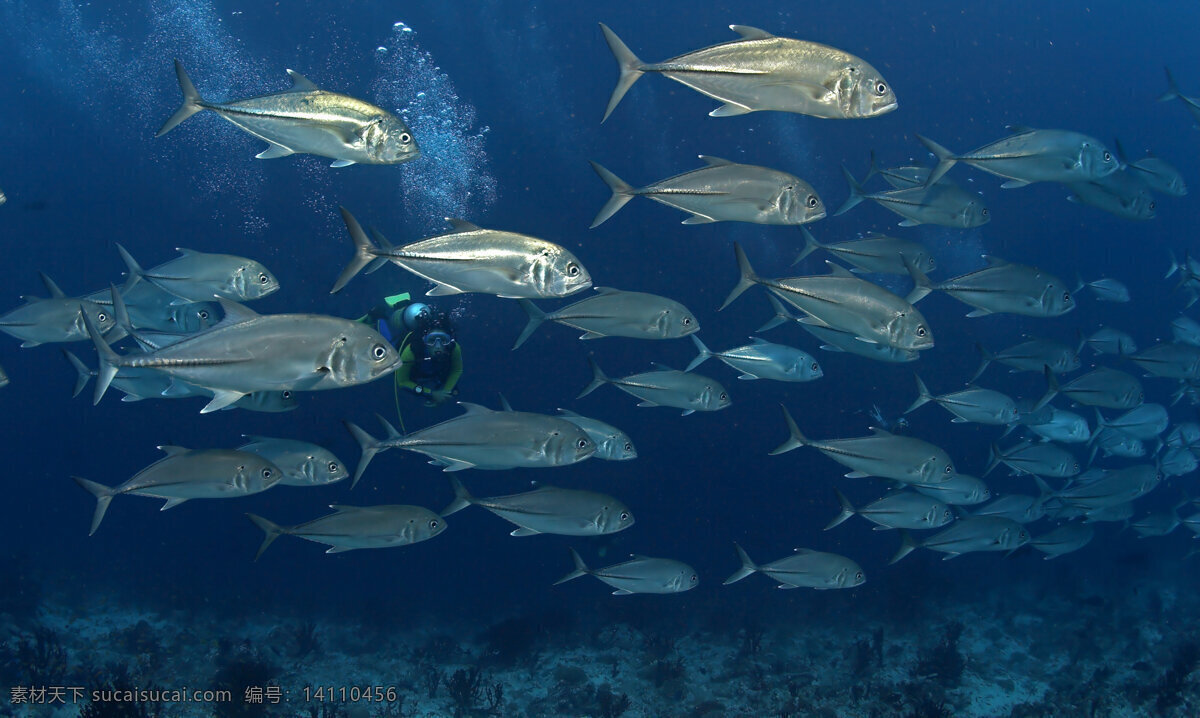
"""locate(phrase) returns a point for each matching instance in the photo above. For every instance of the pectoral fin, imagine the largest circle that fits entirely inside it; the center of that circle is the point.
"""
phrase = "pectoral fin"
(273, 151)
(221, 399)
(730, 109)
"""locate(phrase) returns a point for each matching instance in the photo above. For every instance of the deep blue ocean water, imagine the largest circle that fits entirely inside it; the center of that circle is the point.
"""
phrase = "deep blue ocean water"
(510, 113)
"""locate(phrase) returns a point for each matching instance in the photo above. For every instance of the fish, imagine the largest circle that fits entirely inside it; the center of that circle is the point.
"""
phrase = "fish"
(844, 302)
(200, 276)
(1145, 421)
(153, 309)
(763, 360)
(305, 119)
(481, 438)
(248, 352)
(1114, 442)
(616, 313)
(612, 444)
(903, 458)
(722, 191)
(472, 259)
(3, 197)
(875, 253)
(1028, 155)
(1170, 360)
(1064, 539)
(939, 204)
(973, 404)
(760, 71)
(185, 474)
(550, 510)
(1153, 172)
(1105, 289)
(804, 568)
(1185, 330)
(1173, 93)
(1017, 507)
(974, 533)
(1178, 461)
(1005, 287)
(1158, 523)
(665, 386)
(1106, 488)
(1065, 427)
(897, 510)
(355, 527)
(1037, 459)
(1184, 434)
(1033, 354)
(641, 574)
(1120, 194)
(302, 463)
(837, 340)
(961, 490)
(1109, 340)
(56, 319)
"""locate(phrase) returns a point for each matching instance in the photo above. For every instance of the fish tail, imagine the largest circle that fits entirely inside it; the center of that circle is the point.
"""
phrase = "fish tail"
(369, 445)
(581, 569)
(921, 284)
(1175, 266)
(598, 378)
(85, 374)
(748, 566)
(387, 427)
(1051, 389)
(383, 243)
(782, 315)
(856, 193)
(702, 356)
(993, 458)
(907, 545)
(847, 510)
(271, 529)
(629, 65)
(923, 395)
(462, 498)
(1101, 425)
(364, 252)
(104, 496)
(622, 192)
(1079, 284)
(945, 158)
(795, 438)
(192, 101)
(1172, 92)
(135, 269)
(536, 317)
(810, 245)
(872, 168)
(988, 358)
(109, 359)
(748, 277)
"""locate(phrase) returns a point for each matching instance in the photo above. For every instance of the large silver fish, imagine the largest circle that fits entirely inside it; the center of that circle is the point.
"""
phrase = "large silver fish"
(1120, 194)
(472, 259)
(805, 568)
(897, 510)
(1064, 539)
(723, 191)
(942, 204)
(200, 276)
(1037, 459)
(306, 119)
(1109, 340)
(612, 444)
(616, 313)
(1105, 387)
(158, 310)
(759, 71)
(1059, 425)
(185, 474)
(550, 510)
(837, 340)
(1106, 289)
(303, 463)
(1154, 172)
(1004, 287)
(1030, 155)
(1106, 488)
(973, 404)
(353, 527)
(480, 438)
(843, 301)
(760, 359)
(641, 574)
(974, 533)
(58, 318)
(1173, 93)
(883, 454)
(665, 387)
(962, 490)
(248, 352)
(1145, 421)
(1185, 330)
(1166, 359)
(875, 253)
(1032, 355)
(1021, 508)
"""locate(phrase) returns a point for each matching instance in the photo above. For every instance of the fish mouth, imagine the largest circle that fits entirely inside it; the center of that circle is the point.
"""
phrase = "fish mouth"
(887, 108)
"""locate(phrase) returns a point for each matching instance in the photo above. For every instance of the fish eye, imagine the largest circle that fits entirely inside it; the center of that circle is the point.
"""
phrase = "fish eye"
(379, 352)
(582, 443)
(949, 468)
(812, 200)
(921, 331)
(858, 575)
(263, 278)
(624, 515)
(815, 366)
(985, 211)
(204, 314)
(405, 138)
(686, 321)
(433, 523)
(1107, 156)
(573, 270)
(1151, 205)
(102, 317)
(695, 578)
(333, 467)
(267, 473)
(1066, 296)
(628, 446)
(724, 396)
(287, 394)
(880, 89)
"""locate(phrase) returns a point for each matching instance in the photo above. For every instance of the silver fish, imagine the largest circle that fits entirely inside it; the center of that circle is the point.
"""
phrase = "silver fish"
(58, 318)
(902, 458)
(875, 253)
(1017, 507)
(1120, 194)
(804, 569)
(961, 490)
(665, 387)
(1063, 426)
(898, 510)
(641, 574)
(1173, 93)
(759, 71)
(354, 527)
(844, 302)
(974, 533)
(1154, 172)
(200, 276)
(837, 340)
(940, 204)
(1174, 361)
(763, 360)
(306, 119)
(3, 198)
(973, 404)
(1104, 387)
(550, 510)
(1145, 421)
(1178, 461)
(1159, 523)
(722, 191)
(1032, 355)
(154, 309)
(1030, 155)
(1037, 459)
(1114, 442)
(185, 474)
(1065, 539)
(480, 438)
(472, 259)
(616, 313)
(1007, 287)
(612, 444)
(302, 463)
(1106, 289)
(1184, 434)
(1185, 330)
(1108, 340)
(1105, 488)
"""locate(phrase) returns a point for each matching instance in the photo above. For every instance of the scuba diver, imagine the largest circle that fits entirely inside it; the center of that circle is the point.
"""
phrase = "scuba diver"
(431, 358)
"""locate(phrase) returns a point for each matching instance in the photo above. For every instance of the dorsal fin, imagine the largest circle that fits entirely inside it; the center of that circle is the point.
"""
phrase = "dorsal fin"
(187, 252)
(504, 404)
(51, 286)
(171, 450)
(461, 225)
(993, 261)
(661, 367)
(1018, 129)
(837, 270)
(567, 412)
(758, 341)
(608, 290)
(715, 161)
(235, 313)
(300, 83)
(880, 432)
(751, 33)
(471, 409)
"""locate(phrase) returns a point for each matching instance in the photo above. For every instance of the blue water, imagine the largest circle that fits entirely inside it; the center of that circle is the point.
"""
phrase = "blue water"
(505, 98)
